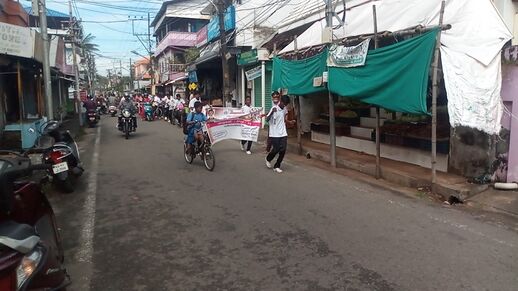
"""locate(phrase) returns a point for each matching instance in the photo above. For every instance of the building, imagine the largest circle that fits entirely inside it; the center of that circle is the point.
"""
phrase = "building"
(175, 27)
(142, 75)
(508, 151)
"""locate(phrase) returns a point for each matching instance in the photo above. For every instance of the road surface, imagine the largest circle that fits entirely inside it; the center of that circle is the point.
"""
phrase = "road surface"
(143, 219)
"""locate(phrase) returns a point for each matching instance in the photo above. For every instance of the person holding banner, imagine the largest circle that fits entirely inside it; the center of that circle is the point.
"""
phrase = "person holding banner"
(277, 118)
(246, 110)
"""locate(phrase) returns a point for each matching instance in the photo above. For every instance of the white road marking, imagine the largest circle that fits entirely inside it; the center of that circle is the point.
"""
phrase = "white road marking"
(87, 230)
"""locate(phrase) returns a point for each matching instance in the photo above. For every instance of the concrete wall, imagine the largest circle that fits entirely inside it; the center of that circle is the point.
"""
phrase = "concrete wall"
(510, 121)
(472, 152)
(508, 10)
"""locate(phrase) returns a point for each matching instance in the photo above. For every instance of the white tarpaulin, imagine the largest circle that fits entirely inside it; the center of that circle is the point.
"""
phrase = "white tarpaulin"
(470, 50)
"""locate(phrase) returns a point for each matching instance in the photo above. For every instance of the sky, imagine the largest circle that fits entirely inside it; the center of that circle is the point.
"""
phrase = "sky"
(109, 22)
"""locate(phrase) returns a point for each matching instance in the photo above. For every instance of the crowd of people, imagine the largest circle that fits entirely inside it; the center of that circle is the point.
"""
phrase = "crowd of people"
(191, 114)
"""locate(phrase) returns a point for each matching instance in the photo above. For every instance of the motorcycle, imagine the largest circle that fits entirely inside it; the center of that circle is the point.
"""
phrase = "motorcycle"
(92, 117)
(112, 110)
(31, 251)
(148, 111)
(62, 153)
(126, 123)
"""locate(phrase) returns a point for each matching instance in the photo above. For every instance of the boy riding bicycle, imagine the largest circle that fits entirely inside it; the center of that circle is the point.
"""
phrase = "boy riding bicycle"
(195, 128)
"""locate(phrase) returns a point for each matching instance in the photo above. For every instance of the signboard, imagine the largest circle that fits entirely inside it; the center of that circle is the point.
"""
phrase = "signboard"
(247, 58)
(193, 77)
(193, 86)
(230, 23)
(348, 57)
(16, 40)
(254, 73)
(201, 37)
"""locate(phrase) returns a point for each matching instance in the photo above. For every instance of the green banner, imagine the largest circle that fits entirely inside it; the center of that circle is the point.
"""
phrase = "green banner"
(298, 76)
(394, 77)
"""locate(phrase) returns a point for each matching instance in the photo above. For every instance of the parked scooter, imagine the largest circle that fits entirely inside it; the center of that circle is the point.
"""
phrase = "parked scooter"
(31, 252)
(112, 110)
(62, 153)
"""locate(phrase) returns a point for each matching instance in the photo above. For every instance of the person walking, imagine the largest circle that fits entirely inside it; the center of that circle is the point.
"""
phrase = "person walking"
(275, 101)
(277, 118)
(246, 110)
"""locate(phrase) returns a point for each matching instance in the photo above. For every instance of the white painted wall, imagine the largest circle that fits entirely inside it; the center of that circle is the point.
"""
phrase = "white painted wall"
(508, 10)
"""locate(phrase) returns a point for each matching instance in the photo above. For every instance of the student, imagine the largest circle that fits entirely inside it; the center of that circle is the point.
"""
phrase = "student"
(277, 118)
(246, 110)
(275, 101)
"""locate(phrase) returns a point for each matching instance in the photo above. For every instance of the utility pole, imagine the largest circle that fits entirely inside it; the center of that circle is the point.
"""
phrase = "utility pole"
(332, 128)
(221, 6)
(46, 62)
(72, 32)
(150, 51)
(131, 76)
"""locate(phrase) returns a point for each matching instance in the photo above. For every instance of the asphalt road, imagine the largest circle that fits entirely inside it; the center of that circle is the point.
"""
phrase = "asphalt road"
(144, 219)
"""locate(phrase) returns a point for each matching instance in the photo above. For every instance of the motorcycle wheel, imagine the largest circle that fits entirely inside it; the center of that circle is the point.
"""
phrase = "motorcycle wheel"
(66, 186)
(126, 132)
(208, 159)
(189, 158)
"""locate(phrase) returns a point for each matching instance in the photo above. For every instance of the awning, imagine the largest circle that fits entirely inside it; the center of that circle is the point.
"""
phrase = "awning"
(470, 51)
(176, 80)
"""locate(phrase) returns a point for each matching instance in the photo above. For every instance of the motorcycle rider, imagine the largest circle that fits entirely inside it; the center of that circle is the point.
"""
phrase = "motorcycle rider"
(126, 103)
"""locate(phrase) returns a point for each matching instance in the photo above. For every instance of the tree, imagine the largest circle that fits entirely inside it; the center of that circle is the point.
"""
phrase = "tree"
(88, 51)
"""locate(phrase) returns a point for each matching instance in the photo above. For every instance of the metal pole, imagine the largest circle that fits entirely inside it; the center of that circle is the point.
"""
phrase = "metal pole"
(263, 89)
(152, 70)
(46, 62)
(297, 102)
(60, 91)
(20, 91)
(434, 99)
(76, 67)
(378, 142)
(332, 123)
(243, 85)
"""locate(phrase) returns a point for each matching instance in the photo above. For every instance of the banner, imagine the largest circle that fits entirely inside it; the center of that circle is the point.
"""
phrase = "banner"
(348, 57)
(233, 123)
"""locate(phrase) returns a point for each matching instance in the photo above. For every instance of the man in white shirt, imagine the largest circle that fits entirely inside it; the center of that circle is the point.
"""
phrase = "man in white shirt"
(195, 99)
(247, 109)
(277, 118)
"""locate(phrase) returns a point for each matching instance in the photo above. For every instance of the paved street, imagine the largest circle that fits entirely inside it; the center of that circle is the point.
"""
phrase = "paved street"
(143, 219)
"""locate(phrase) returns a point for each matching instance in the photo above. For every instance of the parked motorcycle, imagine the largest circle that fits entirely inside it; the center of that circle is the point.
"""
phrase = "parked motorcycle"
(112, 110)
(92, 117)
(31, 252)
(62, 153)
(126, 123)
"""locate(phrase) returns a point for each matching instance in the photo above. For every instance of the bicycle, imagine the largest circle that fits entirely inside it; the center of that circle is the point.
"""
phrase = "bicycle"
(204, 150)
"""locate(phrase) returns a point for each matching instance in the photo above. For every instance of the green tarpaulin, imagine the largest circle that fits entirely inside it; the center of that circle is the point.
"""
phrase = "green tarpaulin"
(394, 77)
(297, 76)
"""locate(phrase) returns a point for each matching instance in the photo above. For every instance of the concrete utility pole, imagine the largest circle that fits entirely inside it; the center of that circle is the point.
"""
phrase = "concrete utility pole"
(332, 123)
(150, 51)
(72, 32)
(46, 61)
(221, 6)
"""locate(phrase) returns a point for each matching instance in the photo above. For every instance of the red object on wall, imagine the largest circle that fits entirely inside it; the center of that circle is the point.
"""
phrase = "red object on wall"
(12, 12)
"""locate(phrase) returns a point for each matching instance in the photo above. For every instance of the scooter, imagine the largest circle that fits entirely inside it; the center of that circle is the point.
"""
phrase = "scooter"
(31, 252)
(92, 117)
(148, 111)
(62, 153)
(112, 110)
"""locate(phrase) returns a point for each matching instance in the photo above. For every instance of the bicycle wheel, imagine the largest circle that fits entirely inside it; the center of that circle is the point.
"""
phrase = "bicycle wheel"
(208, 159)
(189, 158)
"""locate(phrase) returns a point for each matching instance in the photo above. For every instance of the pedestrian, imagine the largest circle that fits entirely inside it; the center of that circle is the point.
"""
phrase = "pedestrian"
(277, 118)
(195, 98)
(246, 110)
(275, 101)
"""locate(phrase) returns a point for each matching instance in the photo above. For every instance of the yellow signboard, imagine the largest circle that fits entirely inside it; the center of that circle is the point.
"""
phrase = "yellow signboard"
(193, 86)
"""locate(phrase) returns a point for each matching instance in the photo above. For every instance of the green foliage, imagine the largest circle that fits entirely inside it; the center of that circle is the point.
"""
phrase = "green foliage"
(191, 54)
